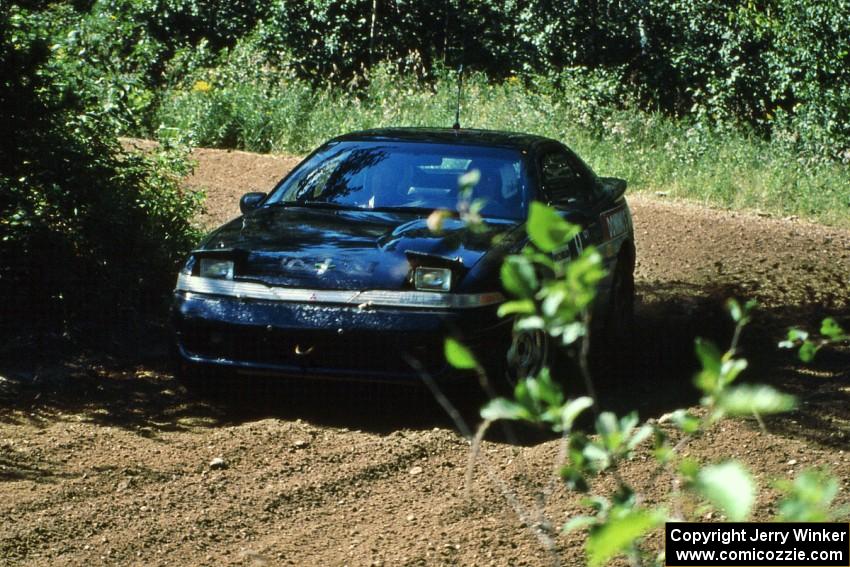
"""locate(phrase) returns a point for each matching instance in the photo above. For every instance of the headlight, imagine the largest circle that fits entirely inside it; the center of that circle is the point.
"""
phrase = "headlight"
(432, 279)
(212, 268)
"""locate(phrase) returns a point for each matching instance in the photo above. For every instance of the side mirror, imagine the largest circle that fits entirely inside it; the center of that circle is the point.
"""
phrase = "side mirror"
(249, 201)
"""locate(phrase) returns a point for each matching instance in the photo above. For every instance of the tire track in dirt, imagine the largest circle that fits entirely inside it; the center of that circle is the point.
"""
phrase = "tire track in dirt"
(319, 492)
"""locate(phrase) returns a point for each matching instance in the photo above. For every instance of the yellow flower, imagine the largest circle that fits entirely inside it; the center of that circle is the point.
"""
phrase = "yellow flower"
(201, 87)
(513, 80)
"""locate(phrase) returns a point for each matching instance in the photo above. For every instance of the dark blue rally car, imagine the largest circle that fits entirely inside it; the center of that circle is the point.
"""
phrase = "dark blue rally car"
(335, 273)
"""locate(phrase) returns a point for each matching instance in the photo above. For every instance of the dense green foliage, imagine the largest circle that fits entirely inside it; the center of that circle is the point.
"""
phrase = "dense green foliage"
(239, 104)
(735, 103)
(779, 67)
(85, 228)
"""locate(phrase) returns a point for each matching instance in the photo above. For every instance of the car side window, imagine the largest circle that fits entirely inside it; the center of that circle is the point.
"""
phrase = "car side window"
(564, 180)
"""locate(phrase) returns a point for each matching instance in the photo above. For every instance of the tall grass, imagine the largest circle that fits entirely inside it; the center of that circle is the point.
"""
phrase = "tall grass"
(258, 110)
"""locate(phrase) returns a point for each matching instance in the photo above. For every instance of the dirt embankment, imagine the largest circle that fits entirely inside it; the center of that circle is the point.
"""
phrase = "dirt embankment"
(108, 462)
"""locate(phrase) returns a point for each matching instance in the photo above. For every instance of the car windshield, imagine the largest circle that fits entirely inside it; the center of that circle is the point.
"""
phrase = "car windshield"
(407, 175)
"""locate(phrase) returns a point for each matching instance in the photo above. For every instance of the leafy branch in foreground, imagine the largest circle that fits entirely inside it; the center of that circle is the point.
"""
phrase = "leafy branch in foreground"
(551, 295)
(554, 296)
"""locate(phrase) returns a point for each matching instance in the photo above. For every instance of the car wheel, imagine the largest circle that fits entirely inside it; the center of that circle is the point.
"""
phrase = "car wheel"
(529, 352)
(619, 320)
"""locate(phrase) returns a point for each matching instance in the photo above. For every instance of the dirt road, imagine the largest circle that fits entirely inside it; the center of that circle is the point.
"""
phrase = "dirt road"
(106, 460)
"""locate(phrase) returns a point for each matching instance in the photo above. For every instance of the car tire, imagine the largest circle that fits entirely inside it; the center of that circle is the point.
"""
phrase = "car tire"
(620, 315)
(617, 347)
(528, 353)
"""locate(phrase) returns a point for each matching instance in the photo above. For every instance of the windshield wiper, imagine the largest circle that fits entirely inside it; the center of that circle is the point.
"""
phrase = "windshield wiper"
(313, 205)
(411, 210)
(338, 206)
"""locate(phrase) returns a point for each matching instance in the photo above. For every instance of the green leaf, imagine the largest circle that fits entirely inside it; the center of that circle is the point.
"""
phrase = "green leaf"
(708, 379)
(794, 338)
(573, 409)
(599, 457)
(607, 423)
(458, 355)
(639, 437)
(579, 523)
(662, 451)
(469, 179)
(476, 206)
(808, 498)
(628, 422)
(708, 354)
(532, 322)
(501, 408)
(536, 257)
(600, 504)
(730, 369)
(830, 328)
(608, 428)
(618, 534)
(572, 332)
(520, 306)
(547, 229)
(555, 295)
(685, 421)
(795, 335)
(730, 487)
(543, 390)
(689, 468)
(807, 351)
(740, 313)
(663, 454)
(749, 399)
(573, 478)
(734, 309)
(522, 395)
(436, 220)
(518, 276)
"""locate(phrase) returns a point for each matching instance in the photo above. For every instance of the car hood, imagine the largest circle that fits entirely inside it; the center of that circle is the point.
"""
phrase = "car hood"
(343, 249)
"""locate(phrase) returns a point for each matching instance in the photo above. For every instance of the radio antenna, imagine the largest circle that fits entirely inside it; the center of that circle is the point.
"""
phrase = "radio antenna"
(456, 125)
(460, 42)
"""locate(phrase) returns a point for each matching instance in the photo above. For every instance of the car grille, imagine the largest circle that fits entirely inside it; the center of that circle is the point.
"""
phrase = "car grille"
(355, 351)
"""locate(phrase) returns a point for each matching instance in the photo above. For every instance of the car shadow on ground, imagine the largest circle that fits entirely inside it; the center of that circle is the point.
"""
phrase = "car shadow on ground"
(139, 393)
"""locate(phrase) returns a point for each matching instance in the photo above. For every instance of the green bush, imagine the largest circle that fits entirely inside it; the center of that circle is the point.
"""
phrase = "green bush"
(238, 103)
(777, 68)
(86, 229)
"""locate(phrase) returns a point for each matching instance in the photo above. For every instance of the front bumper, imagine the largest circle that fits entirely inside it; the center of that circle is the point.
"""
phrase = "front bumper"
(362, 342)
